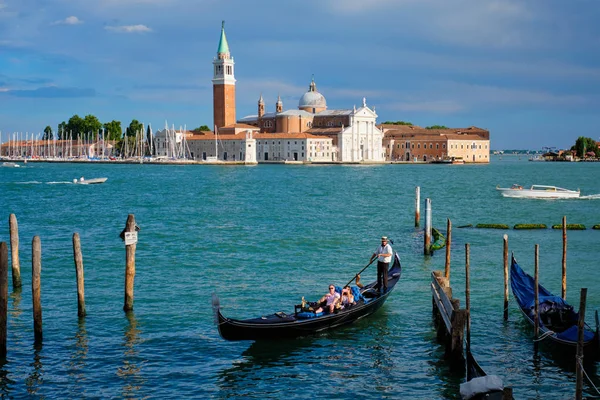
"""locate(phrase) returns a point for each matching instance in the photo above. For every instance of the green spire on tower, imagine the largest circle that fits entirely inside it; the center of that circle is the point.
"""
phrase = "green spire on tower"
(223, 46)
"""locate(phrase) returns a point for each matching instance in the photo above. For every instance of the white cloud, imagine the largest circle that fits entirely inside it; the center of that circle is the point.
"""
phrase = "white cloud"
(128, 28)
(72, 20)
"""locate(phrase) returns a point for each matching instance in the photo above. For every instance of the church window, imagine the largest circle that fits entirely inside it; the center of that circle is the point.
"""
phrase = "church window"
(437, 146)
(418, 145)
(430, 145)
(443, 145)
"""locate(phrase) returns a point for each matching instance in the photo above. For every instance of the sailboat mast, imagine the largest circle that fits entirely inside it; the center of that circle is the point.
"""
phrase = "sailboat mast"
(216, 150)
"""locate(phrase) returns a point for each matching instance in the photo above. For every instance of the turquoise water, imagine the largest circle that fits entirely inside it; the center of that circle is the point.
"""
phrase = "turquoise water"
(262, 237)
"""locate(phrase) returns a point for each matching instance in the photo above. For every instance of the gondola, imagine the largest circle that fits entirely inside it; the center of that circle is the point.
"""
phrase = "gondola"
(480, 385)
(558, 321)
(281, 325)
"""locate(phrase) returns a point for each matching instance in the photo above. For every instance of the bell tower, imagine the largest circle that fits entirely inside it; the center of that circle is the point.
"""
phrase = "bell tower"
(261, 107)
(223, 84)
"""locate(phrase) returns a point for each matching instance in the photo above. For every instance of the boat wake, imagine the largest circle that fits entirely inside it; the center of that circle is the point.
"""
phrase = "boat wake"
(590, 197)
(42, 183)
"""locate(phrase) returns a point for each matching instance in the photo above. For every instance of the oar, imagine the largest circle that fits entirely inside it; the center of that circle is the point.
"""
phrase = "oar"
(366, 266)
(360, 272)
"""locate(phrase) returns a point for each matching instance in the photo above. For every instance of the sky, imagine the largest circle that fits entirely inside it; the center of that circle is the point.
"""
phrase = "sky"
(526, 70)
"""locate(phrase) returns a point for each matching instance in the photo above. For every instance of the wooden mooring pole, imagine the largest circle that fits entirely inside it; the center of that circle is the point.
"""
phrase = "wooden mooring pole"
(448, 244)
(536, 291)
(468, 294)
(579, 358)
(129, 263)
(36, 270)
(427, 241)
(506, 277)
(14, 251)
(3, 298)
(564, 258)
(417, 206)
(79, 274)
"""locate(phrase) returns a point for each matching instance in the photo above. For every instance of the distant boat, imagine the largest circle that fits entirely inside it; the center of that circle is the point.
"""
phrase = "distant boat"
(448, 160)
(93, 181)
(537, 158)
(538, 192)
(10, 164)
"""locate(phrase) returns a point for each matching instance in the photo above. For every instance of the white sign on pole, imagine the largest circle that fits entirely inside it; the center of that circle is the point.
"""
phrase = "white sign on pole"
(130, 238)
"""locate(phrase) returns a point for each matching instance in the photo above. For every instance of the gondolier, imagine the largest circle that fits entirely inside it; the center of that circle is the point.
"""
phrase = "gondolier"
(384, 256)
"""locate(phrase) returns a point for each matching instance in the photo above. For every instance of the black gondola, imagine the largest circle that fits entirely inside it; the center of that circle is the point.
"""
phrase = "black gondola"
(281, 325)
(480, 385)
(558, 321)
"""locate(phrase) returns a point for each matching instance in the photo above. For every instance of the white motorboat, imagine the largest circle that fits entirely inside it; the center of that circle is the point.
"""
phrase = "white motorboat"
(10, 164)
(538, 192)
(93, 181)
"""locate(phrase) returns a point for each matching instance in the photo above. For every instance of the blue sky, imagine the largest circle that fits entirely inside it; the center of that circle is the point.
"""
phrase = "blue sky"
(527, 70)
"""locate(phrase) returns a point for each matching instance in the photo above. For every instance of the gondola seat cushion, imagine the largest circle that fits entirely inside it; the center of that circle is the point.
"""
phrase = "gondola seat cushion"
(308, 315)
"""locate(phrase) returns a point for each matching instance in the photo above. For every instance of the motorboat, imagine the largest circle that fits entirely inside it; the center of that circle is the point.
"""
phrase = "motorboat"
(93, 181)
(538, 192)
(10, 164)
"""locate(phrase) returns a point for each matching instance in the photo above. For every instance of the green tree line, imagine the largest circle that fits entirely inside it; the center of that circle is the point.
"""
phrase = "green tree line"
(90, 126)
(585, 145)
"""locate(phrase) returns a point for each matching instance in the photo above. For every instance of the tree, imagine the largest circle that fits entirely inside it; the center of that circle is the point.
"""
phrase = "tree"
(436, 127)
(48, 135)
(397, 123)
(202, 128)
(62, 128)
(92, 125)
(584, 145)
(149, 140)
(74, 128)
(134, 127)
(113, 131)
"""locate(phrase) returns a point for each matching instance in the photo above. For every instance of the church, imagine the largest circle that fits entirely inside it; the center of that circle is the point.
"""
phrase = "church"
(310, 133)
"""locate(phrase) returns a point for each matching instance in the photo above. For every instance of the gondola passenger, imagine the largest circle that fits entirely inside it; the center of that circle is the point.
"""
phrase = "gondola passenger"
(347, 298)
(329, 300)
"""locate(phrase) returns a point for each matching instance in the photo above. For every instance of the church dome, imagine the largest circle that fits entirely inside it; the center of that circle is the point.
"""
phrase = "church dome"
(312, 101)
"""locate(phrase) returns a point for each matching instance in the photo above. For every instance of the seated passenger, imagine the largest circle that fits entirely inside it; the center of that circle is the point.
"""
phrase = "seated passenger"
(347, 298)
(329, 300)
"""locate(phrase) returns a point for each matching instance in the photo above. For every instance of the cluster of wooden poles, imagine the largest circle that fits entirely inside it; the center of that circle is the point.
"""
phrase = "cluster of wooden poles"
(36, 270)
(450, 320)
(427, 246)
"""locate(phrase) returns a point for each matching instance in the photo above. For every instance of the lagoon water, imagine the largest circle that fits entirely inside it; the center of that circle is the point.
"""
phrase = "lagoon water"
(262, 237)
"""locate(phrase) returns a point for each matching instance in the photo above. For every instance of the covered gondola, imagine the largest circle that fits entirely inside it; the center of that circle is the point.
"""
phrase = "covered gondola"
(557, 319)
(480, 385)
(281, 325)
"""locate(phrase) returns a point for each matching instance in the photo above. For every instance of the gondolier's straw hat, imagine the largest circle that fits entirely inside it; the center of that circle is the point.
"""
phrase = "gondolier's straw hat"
(384, 238)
